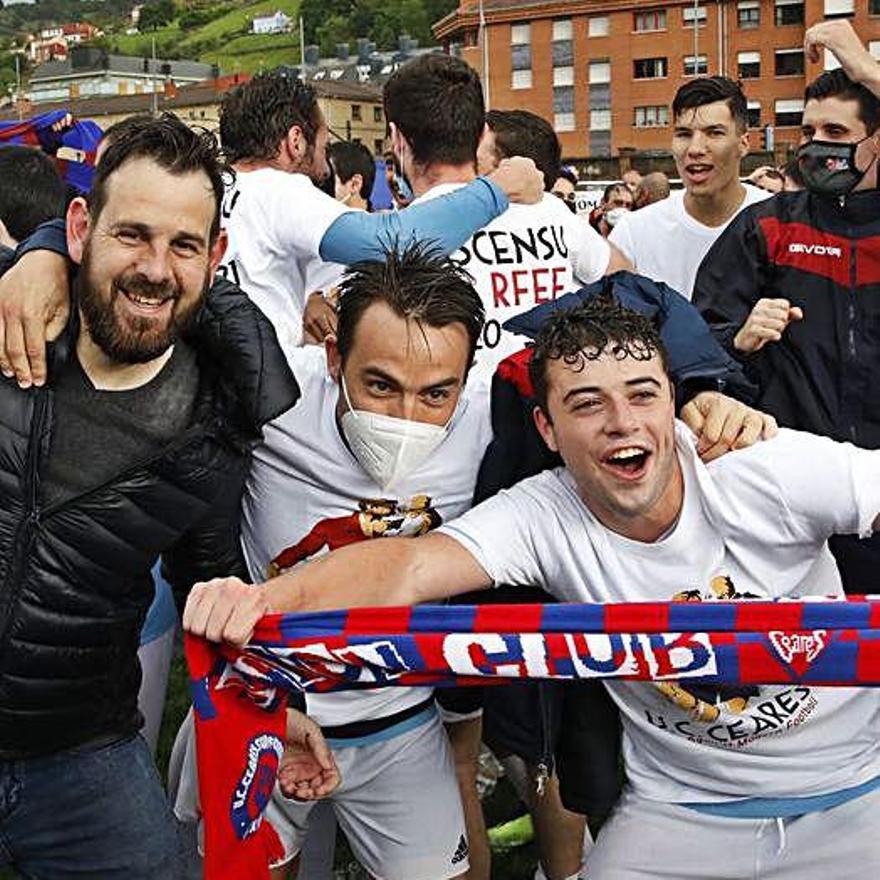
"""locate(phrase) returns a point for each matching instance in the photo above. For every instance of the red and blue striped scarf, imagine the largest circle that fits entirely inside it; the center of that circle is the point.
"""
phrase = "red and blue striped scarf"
(239, 695)
(72, 142)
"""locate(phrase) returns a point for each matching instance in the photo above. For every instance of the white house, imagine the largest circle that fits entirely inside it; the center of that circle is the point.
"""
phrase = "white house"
(271, 24)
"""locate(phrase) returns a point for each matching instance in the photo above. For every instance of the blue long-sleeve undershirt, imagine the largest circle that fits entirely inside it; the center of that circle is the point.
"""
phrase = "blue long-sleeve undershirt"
(446, 221)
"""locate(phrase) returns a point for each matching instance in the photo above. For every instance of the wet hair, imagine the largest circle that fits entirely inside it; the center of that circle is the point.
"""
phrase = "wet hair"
(709, 90)
(257, 115)
(347, 159)
(836, 84)
(418, 283)
(521, 133)
(31, 190)
(168, 142)
(436, 102)
(581, 334)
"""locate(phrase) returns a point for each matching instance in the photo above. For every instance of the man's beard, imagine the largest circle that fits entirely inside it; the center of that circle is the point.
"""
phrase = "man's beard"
(132, 339)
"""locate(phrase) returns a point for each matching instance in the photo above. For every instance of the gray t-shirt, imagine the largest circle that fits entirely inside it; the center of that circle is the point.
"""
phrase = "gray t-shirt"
(98, 435)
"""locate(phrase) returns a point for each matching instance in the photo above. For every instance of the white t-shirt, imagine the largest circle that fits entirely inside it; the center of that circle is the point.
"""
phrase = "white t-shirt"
(275, 222)
(665, 243)
(529, 255)
(307, 494)
(753, 523)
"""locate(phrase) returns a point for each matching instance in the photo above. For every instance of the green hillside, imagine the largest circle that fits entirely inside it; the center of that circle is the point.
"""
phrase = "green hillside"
(226, 40)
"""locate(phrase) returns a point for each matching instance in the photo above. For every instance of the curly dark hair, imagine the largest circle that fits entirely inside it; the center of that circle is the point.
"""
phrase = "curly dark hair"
(257, 115)
(418, 283)
(581, 334)
(168, 142)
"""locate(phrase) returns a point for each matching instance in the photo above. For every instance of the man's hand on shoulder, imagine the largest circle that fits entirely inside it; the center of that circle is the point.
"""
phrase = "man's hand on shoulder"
(766, 323)
(225, 610)
(839, 38)
(520, 180)
(307, 771)
(721, 424)
(34, 307)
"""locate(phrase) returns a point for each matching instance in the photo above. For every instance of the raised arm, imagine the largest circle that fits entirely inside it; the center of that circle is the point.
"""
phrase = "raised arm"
(388, 571)
(839, 38)
(448, 221)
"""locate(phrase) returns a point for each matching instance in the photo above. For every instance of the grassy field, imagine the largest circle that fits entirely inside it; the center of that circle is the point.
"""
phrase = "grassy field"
(225, 41)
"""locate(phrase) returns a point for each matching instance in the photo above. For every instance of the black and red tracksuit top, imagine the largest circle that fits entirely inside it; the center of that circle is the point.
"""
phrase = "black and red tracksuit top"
(822, 254)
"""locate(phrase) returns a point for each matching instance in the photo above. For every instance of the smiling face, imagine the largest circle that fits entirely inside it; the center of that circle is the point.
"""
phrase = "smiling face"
(612, 420)
(708, 149)
(146, 258)
(401, 368)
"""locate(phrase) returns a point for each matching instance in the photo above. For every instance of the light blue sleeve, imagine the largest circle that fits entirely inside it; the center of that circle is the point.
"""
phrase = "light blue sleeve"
(447, 221)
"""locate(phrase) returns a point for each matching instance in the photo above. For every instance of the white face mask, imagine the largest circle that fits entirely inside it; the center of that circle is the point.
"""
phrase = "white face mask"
(612, 218)
(386, 447)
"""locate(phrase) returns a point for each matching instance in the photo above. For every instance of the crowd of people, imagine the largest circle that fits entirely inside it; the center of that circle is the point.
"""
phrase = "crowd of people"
(221, 358)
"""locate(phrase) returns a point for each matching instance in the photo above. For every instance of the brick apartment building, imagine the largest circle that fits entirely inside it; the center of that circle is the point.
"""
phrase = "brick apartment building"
(605, 71)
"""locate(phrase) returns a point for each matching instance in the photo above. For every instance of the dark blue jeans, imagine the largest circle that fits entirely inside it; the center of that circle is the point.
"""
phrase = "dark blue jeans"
(88, 813)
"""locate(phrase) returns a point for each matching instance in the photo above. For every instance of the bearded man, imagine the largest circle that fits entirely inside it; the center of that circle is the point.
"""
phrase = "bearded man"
(138, 446)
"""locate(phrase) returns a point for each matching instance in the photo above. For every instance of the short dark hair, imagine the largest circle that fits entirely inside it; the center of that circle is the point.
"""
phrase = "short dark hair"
(436, 102)
(418, 283)
(256, 116)
(836, 84)
(168, 142)
(709, 90)
(348, 159)
(567, 174)
(613, 188)
(31, 190)
(582, 333)
(521, 133)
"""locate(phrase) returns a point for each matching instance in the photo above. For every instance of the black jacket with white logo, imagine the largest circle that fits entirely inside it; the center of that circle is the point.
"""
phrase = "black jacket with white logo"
(822, 255)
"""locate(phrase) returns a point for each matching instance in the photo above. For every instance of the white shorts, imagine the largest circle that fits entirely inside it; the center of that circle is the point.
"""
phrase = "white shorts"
(649, 840)
(398, 805)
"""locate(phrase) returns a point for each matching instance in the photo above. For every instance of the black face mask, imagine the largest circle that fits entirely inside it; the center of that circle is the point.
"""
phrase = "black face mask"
(829, 168)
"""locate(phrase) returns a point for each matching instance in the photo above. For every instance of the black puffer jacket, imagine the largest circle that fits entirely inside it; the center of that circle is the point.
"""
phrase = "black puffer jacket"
(75, 579)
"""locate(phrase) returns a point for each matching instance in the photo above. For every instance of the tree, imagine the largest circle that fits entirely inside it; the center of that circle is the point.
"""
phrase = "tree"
(155, 14)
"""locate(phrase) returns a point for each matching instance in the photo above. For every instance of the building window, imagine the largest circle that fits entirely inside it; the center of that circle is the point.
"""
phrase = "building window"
(521, 56)
(696, 65)
(471, 38)
(378, 146)
(689, 14)
(562, 29)
(649, 68)
(563, 121)
(599, 72)
(520, 34)
(521, 79)
(377, 114)
(753, 110)
(789, 12)
(600, 120)
(789, 112)
(839, 8)
(563, 76)
(789, 62)
(748, 14)
(598, 25)
(748, 65)
(653, 116)
(654, 20)
(563, 99)
(355, 112)
(873, 7)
